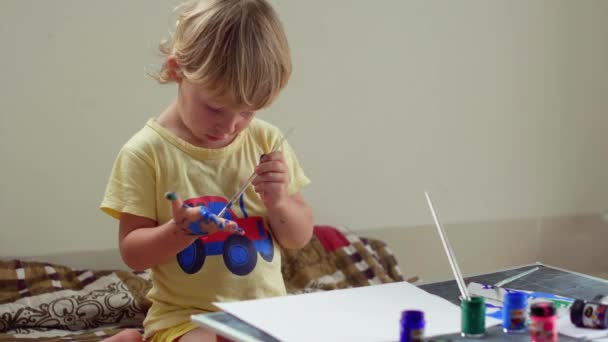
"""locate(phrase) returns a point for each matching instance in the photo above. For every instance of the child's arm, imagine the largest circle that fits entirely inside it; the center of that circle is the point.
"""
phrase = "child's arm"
(291, 221)
(289, 215)
(143, 243)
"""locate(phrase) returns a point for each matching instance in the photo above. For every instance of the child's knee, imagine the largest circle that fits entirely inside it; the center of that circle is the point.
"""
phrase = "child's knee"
(128, 335)
(133, 335)
(199, 335)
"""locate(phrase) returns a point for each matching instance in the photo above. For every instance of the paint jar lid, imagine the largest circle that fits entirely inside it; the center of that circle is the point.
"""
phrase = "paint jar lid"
(413, 318)
(576, 312)
(542, 309)
(516, 299)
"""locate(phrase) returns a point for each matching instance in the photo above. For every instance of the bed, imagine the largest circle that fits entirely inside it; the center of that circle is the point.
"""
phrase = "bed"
(42, 301)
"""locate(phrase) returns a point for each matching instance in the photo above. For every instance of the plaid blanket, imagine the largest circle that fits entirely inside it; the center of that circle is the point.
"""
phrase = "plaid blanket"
(45, 302)
(337, 258)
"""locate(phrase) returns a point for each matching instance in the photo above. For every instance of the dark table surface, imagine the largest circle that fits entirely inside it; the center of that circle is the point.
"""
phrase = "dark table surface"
(546, 279)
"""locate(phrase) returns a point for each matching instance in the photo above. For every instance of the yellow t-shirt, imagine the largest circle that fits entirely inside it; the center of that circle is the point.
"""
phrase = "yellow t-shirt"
(218, 267)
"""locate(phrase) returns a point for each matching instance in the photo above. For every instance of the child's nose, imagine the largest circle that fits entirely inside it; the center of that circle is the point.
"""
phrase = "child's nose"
(229, 124)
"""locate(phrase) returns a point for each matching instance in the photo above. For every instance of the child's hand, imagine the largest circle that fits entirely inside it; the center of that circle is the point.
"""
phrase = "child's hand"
(198, 220)
(272, 179)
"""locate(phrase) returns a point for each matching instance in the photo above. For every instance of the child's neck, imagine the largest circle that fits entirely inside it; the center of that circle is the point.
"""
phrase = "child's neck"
(171, 120)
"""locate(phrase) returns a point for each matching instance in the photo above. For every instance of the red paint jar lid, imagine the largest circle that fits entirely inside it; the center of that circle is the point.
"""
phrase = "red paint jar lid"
(544, 309)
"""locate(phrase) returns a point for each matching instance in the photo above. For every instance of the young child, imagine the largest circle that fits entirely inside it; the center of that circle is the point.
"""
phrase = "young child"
(228, 58)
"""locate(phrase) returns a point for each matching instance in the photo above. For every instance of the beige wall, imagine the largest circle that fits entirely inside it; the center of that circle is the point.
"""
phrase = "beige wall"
(499, 108)
(574, 242)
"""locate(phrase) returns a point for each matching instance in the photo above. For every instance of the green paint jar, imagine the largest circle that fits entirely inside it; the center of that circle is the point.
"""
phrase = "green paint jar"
(473, 317)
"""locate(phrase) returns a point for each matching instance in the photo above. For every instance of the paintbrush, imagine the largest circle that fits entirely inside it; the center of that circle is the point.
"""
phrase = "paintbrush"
(448, 250)
(276, 146)
(515, 277)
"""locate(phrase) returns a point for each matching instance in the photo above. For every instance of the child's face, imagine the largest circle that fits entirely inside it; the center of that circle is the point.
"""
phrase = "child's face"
(212, 124)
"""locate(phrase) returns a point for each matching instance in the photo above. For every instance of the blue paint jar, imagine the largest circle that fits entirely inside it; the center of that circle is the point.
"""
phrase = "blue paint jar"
(412, 326)
(514, 312)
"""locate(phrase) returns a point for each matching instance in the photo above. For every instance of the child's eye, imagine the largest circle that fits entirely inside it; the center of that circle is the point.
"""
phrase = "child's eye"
(214, 109)
(246, 114)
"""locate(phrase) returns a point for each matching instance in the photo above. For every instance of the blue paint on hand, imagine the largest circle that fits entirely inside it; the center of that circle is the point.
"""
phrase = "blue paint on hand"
(195, 228)
(208, 217)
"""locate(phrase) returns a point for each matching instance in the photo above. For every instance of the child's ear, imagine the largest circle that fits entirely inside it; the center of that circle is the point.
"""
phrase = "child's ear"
(173, 68)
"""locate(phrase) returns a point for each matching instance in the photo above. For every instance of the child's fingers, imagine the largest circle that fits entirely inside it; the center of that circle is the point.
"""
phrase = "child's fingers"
(276, 168)
(214, 225)
(271, 177)
(232, 227)
(276, 155)
(224, 224)
(206, 221)
(177, 206)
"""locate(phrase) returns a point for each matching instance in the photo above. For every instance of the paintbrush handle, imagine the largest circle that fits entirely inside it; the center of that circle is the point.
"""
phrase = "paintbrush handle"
(448, 250)
(239, 193)
(515, 277)
(275, 147)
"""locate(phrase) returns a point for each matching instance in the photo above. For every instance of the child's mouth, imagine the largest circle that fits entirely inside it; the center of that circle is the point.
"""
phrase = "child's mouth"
(213, 138)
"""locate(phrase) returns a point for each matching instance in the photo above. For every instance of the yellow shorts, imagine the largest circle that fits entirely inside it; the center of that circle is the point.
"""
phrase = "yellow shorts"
(173, 333)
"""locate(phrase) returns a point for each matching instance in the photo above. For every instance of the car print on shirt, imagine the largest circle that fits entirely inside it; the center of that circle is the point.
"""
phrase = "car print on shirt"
(239, 251)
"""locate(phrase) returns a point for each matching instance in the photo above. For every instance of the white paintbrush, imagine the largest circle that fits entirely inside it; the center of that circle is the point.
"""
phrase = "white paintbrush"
(276, 146)
(448, 250)
(515, 277)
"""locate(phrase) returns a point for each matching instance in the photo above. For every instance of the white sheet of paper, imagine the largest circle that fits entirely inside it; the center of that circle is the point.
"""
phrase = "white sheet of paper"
(370, 313)
(564, 326)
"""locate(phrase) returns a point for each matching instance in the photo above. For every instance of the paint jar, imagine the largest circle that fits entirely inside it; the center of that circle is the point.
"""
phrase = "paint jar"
(473, 317)
(412, 326)
(586, 314)
(543, 322)
(602, 299)
(514, 315)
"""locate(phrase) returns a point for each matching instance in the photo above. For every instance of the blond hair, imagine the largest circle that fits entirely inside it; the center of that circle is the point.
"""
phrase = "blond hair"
(236, 49)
